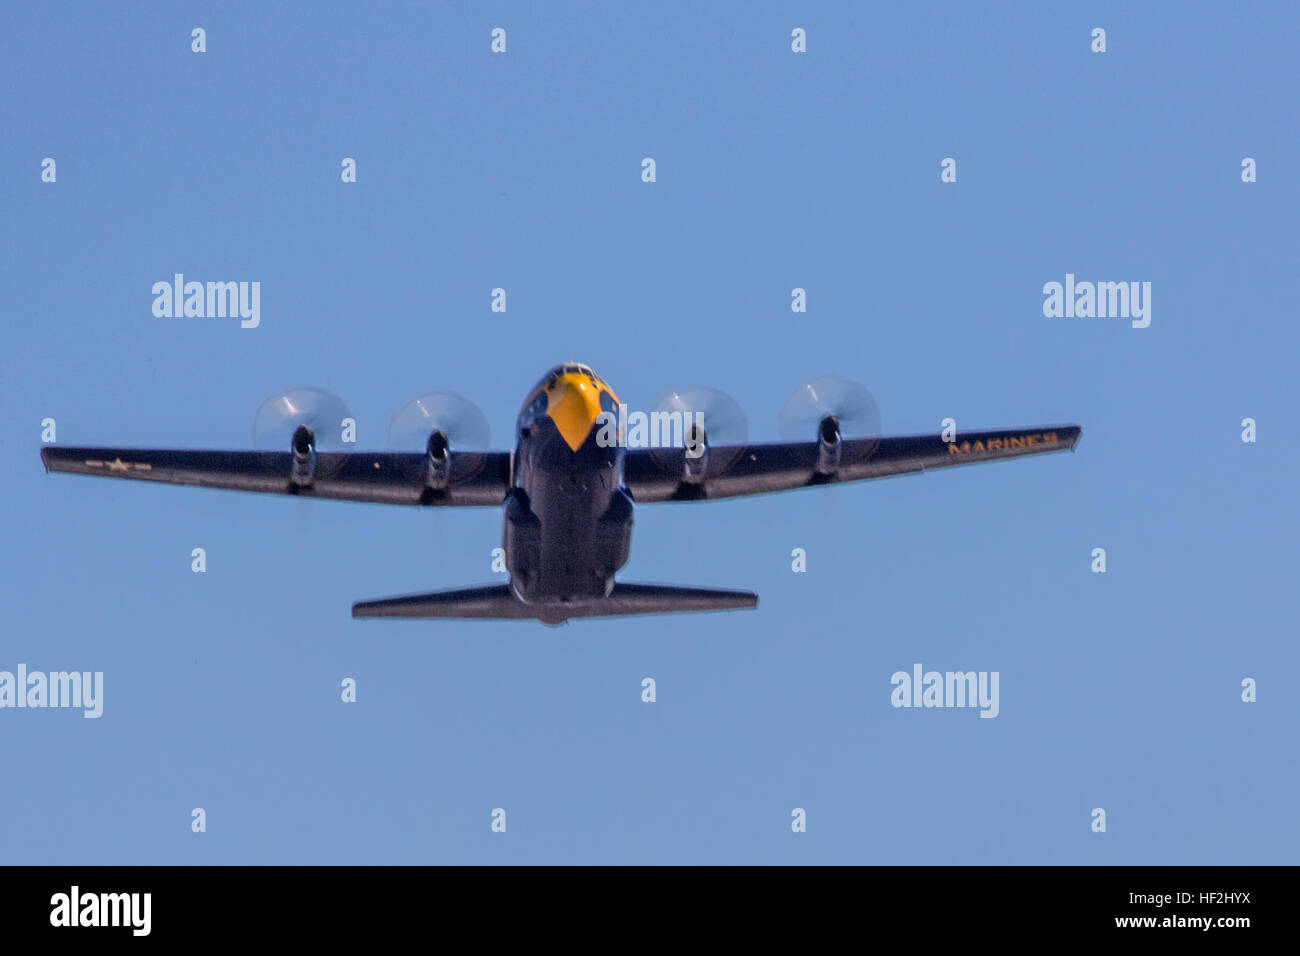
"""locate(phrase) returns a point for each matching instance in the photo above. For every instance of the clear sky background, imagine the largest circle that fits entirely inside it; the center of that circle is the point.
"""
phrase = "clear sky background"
(775, 171)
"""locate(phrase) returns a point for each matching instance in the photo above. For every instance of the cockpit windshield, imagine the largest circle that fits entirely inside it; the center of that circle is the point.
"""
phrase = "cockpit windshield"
(568, 368)
(539, 398)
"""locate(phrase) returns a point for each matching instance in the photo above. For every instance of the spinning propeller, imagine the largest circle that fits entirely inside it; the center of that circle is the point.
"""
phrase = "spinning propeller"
(304, 421)
(830, 409)
(435, 423)
(455, 416)
(722, 421)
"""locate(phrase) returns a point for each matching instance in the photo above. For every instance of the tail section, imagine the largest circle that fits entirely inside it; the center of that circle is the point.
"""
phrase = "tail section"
(492, 601)
(663, 598)
(498, 601)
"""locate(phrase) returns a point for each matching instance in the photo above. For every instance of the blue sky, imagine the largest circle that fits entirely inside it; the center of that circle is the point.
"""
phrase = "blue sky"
(775, 170)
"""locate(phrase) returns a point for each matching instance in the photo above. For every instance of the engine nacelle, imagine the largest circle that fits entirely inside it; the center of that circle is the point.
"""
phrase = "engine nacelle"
(302, 449)
(438, 450)
(828, 445)
(696, 460)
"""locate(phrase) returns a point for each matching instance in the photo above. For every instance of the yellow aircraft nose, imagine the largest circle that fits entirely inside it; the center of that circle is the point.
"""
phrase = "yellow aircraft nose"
(573, 403)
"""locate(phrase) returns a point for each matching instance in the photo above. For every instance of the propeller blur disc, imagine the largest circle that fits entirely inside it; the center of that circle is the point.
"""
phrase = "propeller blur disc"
(465, 425)
(723, 419)
(851, 403)
(328, 417)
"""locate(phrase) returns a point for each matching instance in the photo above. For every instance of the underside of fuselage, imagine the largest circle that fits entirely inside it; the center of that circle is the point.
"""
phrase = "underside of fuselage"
(568, 520)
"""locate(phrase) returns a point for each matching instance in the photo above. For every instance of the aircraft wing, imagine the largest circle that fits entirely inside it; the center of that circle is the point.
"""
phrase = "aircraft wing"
(657, 475)
(395, 478)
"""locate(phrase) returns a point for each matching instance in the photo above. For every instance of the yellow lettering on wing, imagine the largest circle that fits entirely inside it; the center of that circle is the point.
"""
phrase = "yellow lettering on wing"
(1005, 444)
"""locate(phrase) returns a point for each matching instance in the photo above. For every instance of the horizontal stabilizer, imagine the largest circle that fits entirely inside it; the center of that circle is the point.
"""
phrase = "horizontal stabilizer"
(491, 601)
(497, 601)
(660, 598)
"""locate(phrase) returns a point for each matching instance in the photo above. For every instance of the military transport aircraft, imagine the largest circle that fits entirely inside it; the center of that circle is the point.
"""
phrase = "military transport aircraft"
(569, 486)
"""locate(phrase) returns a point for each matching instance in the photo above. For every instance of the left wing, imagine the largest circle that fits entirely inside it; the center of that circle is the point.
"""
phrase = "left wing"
(394, 478)
(650, 475)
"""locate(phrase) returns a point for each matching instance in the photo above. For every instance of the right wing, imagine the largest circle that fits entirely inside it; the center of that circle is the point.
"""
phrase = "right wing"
(393, 478)
(734, 470)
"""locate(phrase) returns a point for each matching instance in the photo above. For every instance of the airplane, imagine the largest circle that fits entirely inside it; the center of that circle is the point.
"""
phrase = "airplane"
(567, 490)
